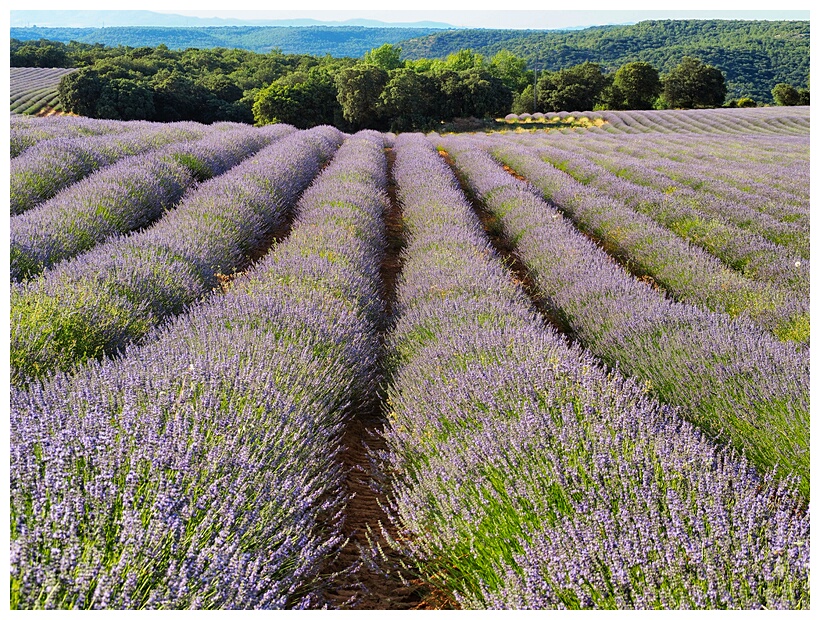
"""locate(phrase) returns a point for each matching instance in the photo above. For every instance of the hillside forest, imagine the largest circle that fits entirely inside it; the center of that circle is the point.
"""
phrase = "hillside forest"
(382, 90)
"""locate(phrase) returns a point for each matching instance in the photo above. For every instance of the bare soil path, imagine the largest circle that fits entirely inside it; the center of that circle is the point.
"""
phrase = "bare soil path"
(361, 584)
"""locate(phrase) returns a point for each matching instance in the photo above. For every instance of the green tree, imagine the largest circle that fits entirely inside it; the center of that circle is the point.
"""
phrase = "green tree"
(523, 101)
(694, 84)
(220, 86)
(785, 94)
(44, 54)
(638, 84)
(473, 92)
(511, 70)
(177, 97)
(387, 57)
(411, 100)
(304, 101)
(359, 91)
(577, 88)
(746, 102)
(126, 100)
(80, 91)
(463, 60)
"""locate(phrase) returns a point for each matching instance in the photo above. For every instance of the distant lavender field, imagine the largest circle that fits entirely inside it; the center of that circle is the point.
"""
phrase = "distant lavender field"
(583, 349)
(34, 89)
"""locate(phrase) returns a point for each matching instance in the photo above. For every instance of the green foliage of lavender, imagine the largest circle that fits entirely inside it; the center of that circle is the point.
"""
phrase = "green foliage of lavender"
(95, 303)
(200, 470)
(731, 378)
(527, 476)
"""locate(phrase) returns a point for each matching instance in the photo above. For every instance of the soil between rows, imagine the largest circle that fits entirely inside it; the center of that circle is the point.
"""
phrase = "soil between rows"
(361, 584)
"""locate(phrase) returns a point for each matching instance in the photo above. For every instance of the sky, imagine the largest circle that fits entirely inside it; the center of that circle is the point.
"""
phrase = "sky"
(504, 19)
(460, 13)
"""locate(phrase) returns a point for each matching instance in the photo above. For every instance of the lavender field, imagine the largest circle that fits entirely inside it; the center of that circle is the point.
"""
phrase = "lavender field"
(33, 90)
(551, 367)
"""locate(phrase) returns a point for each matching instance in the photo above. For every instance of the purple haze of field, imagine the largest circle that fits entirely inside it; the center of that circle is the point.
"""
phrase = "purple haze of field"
(725, 375)
(125, 196)
(526, 475)
(736, 232)
(200, 470)
(47, 167)
(27, 131)
(714, 121)
(776, 299)
(767, 175)
(97, 302)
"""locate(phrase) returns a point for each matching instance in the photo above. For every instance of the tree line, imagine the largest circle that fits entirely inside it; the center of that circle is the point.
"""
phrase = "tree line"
(754, 56)
(380, 91)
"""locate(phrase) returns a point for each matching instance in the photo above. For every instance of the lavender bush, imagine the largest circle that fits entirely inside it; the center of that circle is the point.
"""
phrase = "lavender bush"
(124, 196)
(729, 377)
(200, 470)
(93, 304)
(526, 475)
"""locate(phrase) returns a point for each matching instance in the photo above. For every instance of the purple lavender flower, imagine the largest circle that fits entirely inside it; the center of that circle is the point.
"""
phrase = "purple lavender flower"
(527, 475)
(200, 469)
(91, 305)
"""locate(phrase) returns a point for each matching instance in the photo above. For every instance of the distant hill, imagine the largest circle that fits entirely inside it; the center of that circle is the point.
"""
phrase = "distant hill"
(753, 55)
(107, 19)
(338, 41)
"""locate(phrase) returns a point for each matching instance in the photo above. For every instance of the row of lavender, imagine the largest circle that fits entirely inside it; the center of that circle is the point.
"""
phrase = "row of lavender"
(705, 220)
(727, 376)
(27, 131)
(97, 302)
(33, 88)
(125, 196)
(770, 285)
(200, 470)
(735, 178)
(47, 167)
(525, 475)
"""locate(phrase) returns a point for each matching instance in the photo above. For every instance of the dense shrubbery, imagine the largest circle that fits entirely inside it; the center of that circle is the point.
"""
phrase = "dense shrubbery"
(753, 55)
(380, 91)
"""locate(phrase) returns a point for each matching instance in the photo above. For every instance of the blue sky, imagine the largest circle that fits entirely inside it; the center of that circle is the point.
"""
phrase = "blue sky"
(457, 12)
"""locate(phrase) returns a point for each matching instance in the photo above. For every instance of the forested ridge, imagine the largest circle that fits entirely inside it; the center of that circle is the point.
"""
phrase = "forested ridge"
(337, 41)
(753, 55)
(387, 89)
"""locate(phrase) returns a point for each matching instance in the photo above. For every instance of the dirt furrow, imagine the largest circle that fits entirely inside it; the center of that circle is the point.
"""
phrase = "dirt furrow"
(373, 583)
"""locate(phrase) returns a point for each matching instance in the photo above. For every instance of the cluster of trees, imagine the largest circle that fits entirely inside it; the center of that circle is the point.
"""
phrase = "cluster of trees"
(159, 84)
(41, 53)
(786, 94)
(634, 86)
(382, 90)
